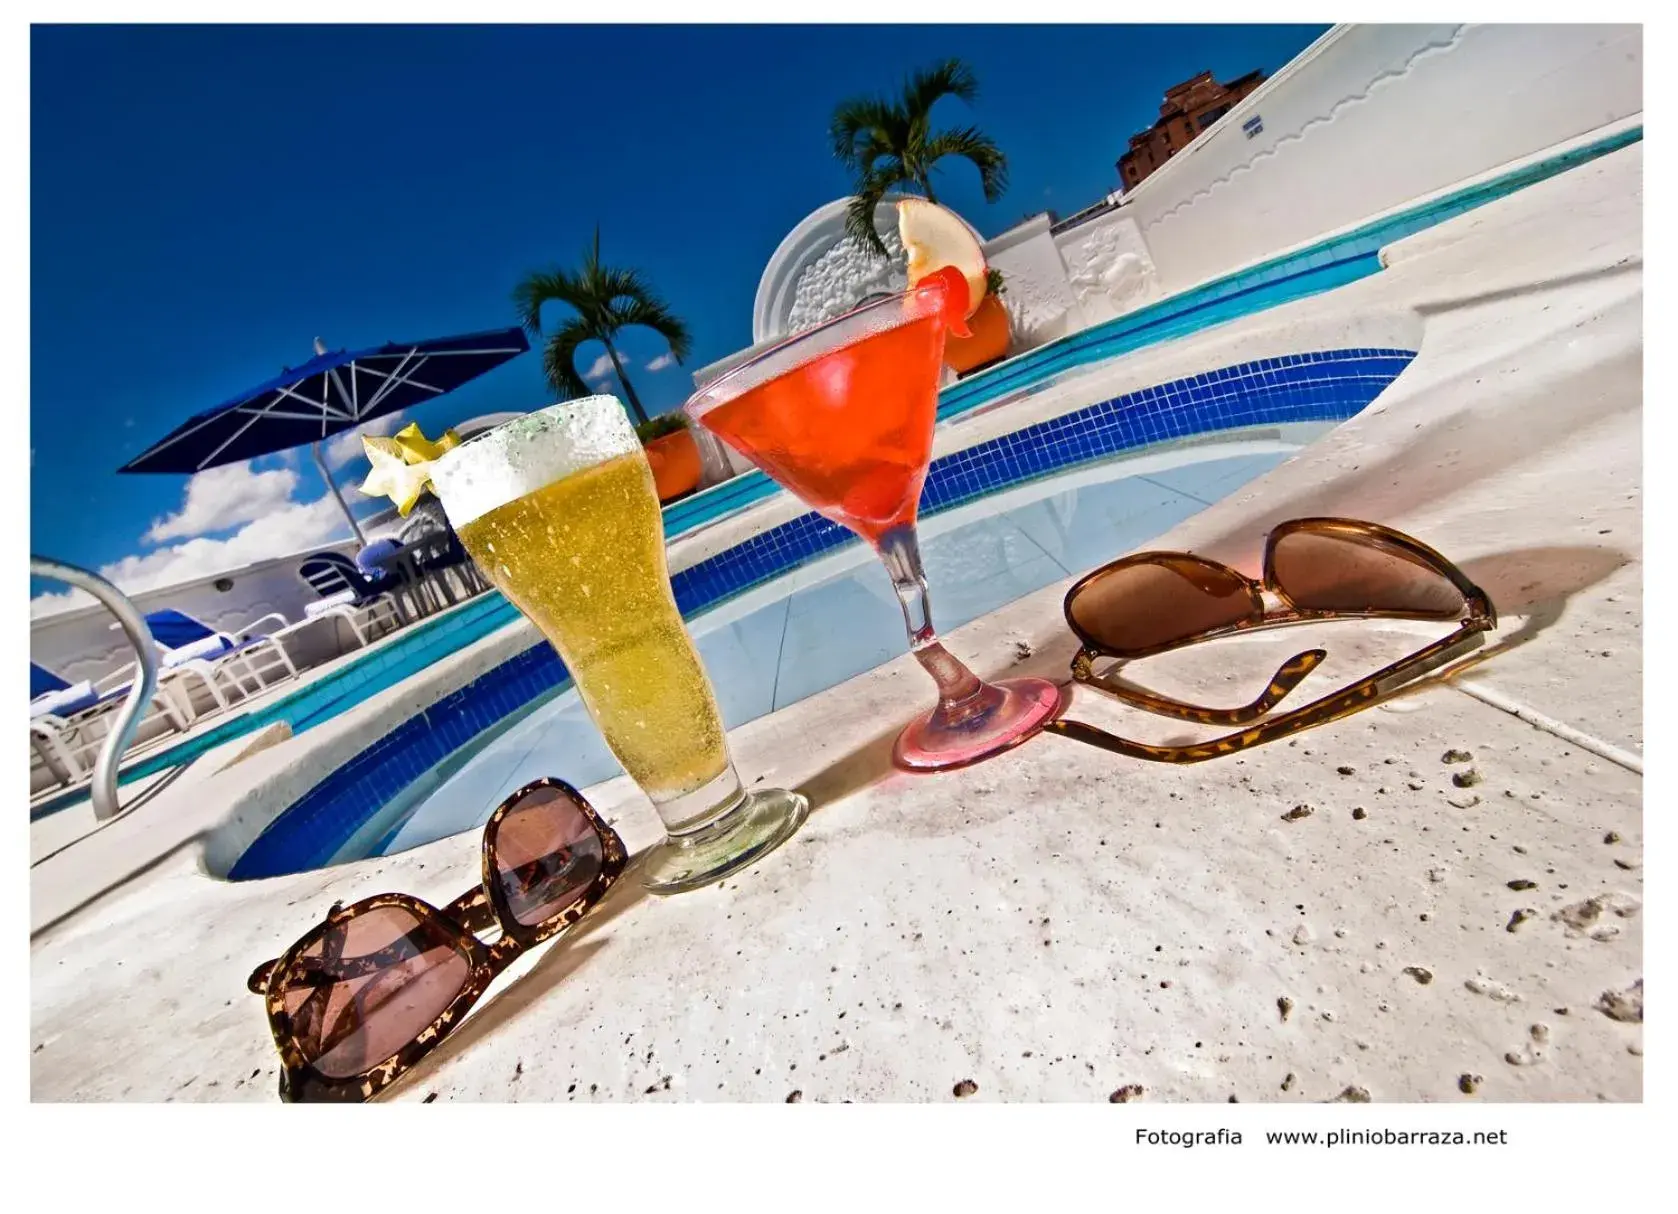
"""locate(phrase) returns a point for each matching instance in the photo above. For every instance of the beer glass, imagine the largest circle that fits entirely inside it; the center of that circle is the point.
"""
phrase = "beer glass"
(558, 510)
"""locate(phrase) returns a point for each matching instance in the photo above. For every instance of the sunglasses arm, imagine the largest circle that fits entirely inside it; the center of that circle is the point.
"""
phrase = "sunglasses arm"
(1442, 653)
(1288, 676)
(1329, 708)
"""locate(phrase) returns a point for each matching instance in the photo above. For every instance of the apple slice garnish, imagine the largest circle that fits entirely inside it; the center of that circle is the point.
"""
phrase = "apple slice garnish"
(939, 243)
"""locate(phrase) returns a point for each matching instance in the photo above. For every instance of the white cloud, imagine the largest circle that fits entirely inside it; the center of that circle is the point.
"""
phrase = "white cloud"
(286, 528)
(345, 448)
(56, 601)
(603, 367)
(219, 498)
(661, 362)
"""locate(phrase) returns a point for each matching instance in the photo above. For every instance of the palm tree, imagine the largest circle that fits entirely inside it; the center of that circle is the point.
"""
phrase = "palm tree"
(605, 299)
(890, 143)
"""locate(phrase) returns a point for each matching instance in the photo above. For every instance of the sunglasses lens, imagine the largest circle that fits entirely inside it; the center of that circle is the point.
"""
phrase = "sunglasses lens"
(1348, 571)
(369, 986)
(547, 853)
(1142, 606)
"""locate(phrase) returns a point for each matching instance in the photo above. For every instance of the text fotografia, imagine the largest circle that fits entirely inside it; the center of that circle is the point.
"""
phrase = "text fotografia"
(1188, 1138)
(1330, 1138)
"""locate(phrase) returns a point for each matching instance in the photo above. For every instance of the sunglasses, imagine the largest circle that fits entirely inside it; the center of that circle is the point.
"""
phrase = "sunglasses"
(371, 990)
(1315, 569)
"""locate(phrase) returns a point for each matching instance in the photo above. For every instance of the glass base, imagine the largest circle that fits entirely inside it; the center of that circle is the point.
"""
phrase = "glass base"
(1001, 715)
(758, 825)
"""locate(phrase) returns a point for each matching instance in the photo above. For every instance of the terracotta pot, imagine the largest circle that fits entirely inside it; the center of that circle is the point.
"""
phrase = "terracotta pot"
(988, 343)
(675, 461)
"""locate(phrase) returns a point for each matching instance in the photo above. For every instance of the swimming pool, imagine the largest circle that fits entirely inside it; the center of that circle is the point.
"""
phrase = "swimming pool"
(375, 801)
(802, 633)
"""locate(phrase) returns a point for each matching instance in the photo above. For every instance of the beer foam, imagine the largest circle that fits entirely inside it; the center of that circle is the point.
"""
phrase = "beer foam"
(523, 455)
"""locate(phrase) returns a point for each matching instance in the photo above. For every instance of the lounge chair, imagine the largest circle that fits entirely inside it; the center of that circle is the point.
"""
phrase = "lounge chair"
(219, 662)
(362, 602)
(51, 694)
(68, 722)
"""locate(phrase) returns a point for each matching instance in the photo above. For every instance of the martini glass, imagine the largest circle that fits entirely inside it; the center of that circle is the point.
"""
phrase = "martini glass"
(842, 416)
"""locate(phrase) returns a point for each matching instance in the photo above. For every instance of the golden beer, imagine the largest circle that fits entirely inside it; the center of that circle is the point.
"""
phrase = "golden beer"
(584, 559)
(559, 510)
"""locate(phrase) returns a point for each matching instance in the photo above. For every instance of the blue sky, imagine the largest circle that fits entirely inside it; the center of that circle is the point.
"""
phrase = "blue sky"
(205, 201)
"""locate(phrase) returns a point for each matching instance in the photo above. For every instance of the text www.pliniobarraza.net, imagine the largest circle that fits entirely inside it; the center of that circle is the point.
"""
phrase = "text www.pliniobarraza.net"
(1387, 1138)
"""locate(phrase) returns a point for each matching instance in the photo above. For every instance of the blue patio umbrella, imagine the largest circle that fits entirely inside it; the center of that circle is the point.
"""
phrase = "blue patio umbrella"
(327, 395)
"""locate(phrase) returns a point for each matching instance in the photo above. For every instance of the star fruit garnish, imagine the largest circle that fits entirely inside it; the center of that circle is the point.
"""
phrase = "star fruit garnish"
(402, 465)
(393, 476)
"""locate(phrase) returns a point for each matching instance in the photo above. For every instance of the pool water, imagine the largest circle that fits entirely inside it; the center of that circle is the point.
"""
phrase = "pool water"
(835, 618)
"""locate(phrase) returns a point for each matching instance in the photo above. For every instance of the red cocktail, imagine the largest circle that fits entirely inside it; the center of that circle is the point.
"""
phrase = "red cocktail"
(842, 416)
(850, 431)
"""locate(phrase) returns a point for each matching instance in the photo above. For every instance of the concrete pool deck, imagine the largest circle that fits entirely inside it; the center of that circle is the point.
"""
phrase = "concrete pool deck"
(1060, 922)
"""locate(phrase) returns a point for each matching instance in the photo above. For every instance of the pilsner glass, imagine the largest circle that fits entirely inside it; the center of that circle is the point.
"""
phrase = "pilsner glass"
(558, 509)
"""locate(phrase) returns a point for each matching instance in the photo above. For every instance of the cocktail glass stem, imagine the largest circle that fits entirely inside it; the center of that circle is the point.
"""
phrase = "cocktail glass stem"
(973, 719)
(958, 687)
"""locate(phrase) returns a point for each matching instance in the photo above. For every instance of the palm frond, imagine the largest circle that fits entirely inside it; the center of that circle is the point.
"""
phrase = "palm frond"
(543, 287)
(859, 212)
(888, 143)
(651, 312)
(559, 358)
(976, 147)
(862, 128)
(614, 284)
(889, 168)
(601, 288)
(951, 78)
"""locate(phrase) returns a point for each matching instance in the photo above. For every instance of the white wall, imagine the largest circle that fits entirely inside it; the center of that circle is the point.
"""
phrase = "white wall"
(1040, 302)
(81, 644)
(1371, 117)
(817, 272)
(1108, 265)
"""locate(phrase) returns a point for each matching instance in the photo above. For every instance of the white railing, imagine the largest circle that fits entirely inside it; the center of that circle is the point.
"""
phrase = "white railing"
(104, 790)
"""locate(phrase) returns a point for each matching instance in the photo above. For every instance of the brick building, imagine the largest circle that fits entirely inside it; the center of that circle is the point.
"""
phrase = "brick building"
(1189, 108)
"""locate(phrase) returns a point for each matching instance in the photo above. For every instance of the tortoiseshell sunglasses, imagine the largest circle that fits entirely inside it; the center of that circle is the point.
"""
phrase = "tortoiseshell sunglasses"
(1317, 569)
(367, 993)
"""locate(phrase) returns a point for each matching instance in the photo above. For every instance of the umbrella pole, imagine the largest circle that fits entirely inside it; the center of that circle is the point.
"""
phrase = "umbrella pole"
(320, 462)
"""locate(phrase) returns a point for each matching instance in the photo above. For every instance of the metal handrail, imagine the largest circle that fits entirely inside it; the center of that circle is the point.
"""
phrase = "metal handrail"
(140, 692)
